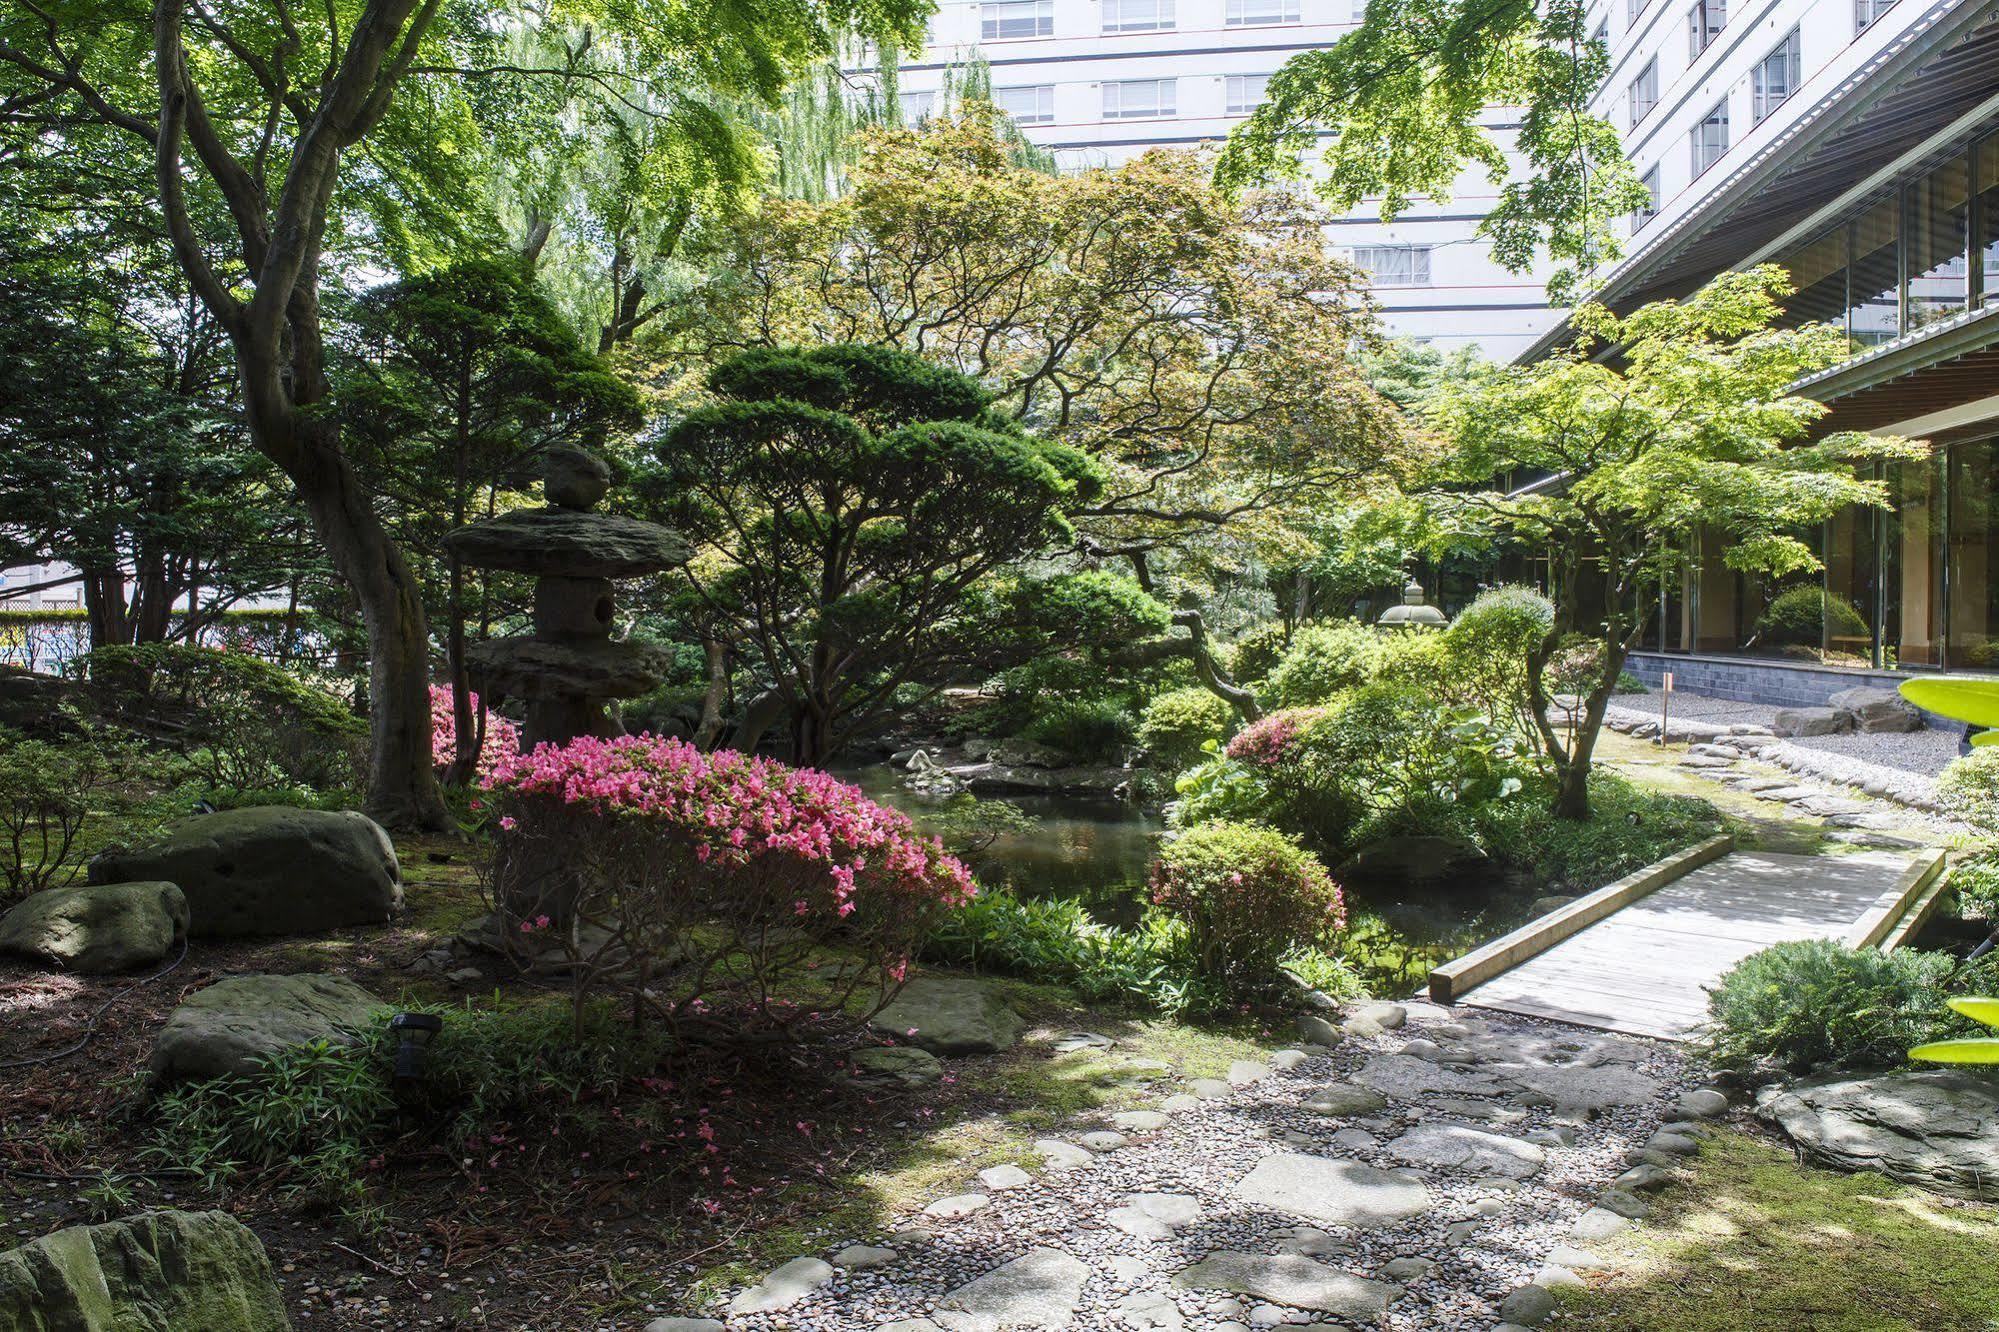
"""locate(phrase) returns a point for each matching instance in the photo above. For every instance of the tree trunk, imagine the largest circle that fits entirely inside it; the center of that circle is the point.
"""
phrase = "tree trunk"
(709, 728)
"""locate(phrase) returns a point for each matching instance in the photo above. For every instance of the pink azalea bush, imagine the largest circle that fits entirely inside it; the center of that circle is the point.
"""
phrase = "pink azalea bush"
(1271, 740)
(1248, 895)
(502, 736)
(693, 879)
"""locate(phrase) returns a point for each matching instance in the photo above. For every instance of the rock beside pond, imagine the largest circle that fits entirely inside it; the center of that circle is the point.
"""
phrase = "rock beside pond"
(225, 1029)
(1412, 859)
(1936, 1128)
(270, 869)
(951, 1016)
(157, 1272)
(96, 928)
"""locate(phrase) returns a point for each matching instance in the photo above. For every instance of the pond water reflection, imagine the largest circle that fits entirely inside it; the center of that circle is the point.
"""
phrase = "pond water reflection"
(1098, 851)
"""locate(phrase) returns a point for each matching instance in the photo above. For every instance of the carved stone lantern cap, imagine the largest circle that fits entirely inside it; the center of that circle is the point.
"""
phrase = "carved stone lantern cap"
(1414, 612)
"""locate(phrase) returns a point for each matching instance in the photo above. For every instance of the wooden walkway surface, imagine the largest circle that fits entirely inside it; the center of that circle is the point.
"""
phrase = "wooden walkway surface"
(1646, 967)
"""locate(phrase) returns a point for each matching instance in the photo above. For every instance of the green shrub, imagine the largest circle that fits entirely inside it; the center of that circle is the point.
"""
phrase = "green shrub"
(1256, 654)
(1054, 939)
(1968, 788)
(242, 722)
(1322, 660)
(1806, 616)
(1628, 829)
(1092, 730)
(45, 793)
(1627, 683)
(1179, 723)
(1811, 1004)
(1486, 650)
(1248, 896)
(1975, 881)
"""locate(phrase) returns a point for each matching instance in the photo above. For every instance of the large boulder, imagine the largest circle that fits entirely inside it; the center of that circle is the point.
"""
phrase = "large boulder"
(951, 1017)
(1936, 1128)
(154, 1272)
(1811, 721)
(270, 869)
(225, 1029)
(1876, 710)
(97, 927)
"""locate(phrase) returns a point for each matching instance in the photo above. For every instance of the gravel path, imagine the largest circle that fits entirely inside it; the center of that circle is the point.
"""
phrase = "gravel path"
(1445, 1173)
(1923, 753)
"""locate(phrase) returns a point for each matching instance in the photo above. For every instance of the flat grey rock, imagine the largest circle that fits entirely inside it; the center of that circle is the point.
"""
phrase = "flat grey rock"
(1599, 1223)
(97, 927)
(229, 1027)
(1245, 1071)
(1060, 1156)
(1000, 1178)
(958, 1204)
(903, 1066)
(1103, 1140)
(1345, 1193)
(1139, 1121)
(686, 1325)
(1588, 1090)
(1317, 1030)
(1702, 1104)
(1463, 1148)
(1343, 1098)
(1209, 1089)
(1151, 1311)
(1286, 1060)
(1935, 1128)
(1529, 1306)
(784, 1287)
(1289, 1279)
(862, 1256)
(1405, 1076)
(951, 1016)
(1039, 1289)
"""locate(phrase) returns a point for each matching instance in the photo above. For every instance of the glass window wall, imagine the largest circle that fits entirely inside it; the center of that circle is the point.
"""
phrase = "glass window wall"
(1939, 230)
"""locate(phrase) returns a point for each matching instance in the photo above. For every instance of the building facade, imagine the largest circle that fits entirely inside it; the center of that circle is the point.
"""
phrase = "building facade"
(1098, 82)
(1856, 143)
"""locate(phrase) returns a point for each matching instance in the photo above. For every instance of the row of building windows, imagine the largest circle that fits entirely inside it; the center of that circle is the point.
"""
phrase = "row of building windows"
(1707, 18)
(1124, 99)
(1015, 20)
(1772, 82)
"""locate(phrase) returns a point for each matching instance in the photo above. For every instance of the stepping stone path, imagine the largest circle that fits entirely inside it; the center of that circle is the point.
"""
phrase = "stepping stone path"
(1446, 1173)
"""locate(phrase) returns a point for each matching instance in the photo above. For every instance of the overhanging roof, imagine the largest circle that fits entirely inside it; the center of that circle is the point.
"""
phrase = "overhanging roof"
(1946, 64)
(1956, 361)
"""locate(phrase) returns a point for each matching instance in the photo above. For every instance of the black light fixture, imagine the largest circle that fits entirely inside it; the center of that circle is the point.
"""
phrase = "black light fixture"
(416, 1030)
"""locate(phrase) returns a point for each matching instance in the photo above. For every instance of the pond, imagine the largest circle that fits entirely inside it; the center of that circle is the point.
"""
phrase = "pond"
(1098, 851)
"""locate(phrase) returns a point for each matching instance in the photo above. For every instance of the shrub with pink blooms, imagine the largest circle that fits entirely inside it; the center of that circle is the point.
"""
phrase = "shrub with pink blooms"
(715, 888)
(1248, 895)
(1270, 740)
(501, 735)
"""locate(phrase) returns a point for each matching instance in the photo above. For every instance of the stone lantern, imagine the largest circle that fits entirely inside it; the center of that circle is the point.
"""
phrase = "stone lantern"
(570, 666)
(1413, 613)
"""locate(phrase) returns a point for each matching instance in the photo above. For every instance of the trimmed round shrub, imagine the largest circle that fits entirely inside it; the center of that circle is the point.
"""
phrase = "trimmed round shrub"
(1095, 730)
(1256, 654)
(1487, 646)
(703, 885)
(1805, 615)
(1812, 1003)
(1248, 896)
(1179, 722)
(243, 722)
(1968, 788)
(1324, 659)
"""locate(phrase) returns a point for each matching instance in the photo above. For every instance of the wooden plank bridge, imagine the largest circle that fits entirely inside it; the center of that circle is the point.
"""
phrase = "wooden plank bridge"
(1640, 955)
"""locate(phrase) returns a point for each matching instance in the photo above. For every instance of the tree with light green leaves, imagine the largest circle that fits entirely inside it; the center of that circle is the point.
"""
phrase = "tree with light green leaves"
(1691, 425)
(1397, 110)
(274, 139)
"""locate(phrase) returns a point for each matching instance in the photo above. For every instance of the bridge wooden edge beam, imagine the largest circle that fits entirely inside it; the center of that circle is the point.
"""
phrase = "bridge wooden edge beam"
(1453, 980)
(1901, 911)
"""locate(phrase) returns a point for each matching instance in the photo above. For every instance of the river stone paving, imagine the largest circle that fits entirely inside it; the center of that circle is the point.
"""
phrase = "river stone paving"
(1362, 1186)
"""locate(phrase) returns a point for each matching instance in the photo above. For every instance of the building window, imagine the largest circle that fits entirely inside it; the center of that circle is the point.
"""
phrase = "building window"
(1394, 265)
(1138, 99)
(1704, 23)
(1650, 208)
(1137, 15)
(1985, 241)
(1710, 137)
(1938, 231)
(916, 106)
(1778, 76)
(1248, 13)
(1632, 9)
(1645, 91)
(1246, 92)
(1866, 11)
(1008, 20)
(1031, 105)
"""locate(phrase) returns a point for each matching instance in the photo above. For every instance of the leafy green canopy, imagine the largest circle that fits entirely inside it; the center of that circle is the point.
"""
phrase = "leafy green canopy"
(1403, 99)
(854, 506)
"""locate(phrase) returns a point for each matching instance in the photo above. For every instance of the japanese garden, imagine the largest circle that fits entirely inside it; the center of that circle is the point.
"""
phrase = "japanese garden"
(687, 666)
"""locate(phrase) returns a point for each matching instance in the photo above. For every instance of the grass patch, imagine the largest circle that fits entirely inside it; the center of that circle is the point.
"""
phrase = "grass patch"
(1753, 1240)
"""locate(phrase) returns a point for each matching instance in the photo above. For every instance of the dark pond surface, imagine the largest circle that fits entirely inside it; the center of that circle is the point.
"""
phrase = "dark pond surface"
(1098, 851)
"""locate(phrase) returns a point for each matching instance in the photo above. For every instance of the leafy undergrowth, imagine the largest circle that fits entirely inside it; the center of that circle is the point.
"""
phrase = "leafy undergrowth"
(1752, 1240)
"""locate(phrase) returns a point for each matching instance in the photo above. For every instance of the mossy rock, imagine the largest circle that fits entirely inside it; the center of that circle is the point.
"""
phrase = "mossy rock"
(154, 1272)
(951, 1017)
(226, 1029)
(270, 869)
(97, 927)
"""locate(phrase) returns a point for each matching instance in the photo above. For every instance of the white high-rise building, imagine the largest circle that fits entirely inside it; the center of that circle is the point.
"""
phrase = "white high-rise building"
(1100, 81)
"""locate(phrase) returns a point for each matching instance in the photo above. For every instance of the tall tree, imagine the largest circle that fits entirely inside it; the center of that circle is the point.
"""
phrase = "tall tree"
(258, 106)
(454, 381)
(1690, 427)
(1395, 111)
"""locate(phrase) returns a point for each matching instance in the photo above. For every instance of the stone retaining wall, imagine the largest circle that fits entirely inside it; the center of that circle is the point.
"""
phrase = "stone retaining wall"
(1781, 684)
